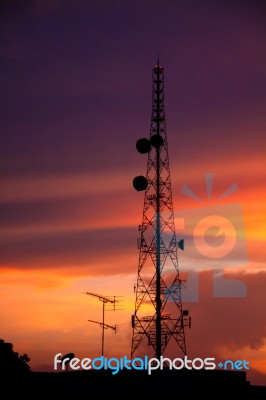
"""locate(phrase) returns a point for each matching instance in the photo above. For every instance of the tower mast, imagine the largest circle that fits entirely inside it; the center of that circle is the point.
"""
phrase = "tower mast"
(159, 316)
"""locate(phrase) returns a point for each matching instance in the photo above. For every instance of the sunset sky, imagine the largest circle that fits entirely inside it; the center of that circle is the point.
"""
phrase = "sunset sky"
(75, 97)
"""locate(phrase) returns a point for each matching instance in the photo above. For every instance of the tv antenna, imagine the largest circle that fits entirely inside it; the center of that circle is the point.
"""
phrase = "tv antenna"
(108, 301)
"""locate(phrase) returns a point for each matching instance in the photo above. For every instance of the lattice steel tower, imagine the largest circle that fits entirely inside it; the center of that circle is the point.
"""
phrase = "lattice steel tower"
(159, 316)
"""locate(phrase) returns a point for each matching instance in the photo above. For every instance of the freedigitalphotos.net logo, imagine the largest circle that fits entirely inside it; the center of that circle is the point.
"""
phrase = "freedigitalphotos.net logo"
(214, 239)
(149, 364)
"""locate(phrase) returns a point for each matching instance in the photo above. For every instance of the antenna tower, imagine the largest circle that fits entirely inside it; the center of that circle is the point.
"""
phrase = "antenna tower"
(159, 316)
(107, 301)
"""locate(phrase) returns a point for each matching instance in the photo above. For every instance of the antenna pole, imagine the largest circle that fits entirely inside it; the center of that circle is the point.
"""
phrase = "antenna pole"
(158, 230)
(103, 330)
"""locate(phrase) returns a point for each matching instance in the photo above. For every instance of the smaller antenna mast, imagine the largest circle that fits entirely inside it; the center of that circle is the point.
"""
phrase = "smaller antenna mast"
(106, 300)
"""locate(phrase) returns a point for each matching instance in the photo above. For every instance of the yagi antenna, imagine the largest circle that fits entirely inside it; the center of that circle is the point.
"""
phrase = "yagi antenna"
(110, 301)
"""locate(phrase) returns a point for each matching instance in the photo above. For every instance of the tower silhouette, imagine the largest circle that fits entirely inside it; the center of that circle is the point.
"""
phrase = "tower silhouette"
(159, 316)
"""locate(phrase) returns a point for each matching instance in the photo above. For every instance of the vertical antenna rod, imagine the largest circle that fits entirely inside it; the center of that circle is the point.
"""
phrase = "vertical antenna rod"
(158, 227)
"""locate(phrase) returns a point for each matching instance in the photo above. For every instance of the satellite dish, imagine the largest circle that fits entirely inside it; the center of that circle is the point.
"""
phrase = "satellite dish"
(181, 244)
(156, 140)
(143, 146)
(140, 183)
(67, 357)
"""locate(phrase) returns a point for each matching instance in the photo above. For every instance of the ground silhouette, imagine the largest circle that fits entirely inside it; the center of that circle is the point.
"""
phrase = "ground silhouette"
(17, 379)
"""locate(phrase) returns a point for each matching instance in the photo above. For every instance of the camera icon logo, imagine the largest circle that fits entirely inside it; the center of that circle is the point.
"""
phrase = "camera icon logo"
(214, 239)
(214, 236)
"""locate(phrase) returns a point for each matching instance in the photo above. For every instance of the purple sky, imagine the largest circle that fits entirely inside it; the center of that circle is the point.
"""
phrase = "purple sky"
(76, 80)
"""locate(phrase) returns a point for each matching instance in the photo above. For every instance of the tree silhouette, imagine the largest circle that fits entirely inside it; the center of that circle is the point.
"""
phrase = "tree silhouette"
(11, 363)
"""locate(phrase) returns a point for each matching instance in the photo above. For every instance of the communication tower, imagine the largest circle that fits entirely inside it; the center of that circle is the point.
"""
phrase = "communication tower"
(159, 316)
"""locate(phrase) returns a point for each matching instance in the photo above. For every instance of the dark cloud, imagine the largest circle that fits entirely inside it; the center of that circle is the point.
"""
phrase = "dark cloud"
(81, 86)
(94, 250)
(231, 323)
(221, 313)
(96, 210)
